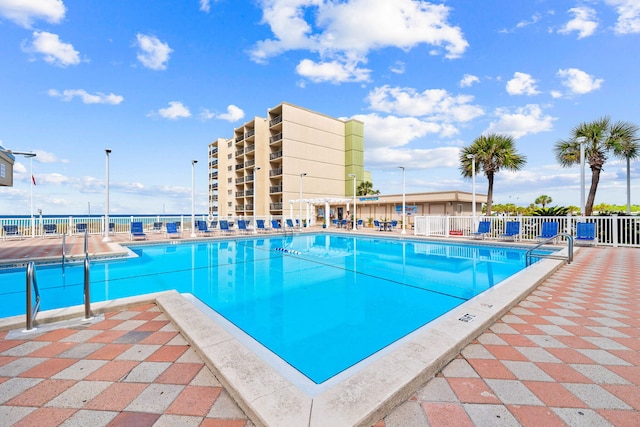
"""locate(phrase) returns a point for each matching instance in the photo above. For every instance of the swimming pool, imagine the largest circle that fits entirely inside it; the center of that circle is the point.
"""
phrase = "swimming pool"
(321, 302)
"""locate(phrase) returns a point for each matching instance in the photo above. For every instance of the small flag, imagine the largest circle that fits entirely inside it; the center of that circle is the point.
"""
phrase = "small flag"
(33, 179)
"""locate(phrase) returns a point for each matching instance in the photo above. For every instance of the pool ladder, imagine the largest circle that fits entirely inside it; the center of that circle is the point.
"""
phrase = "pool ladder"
(569, 257)
(32, 286)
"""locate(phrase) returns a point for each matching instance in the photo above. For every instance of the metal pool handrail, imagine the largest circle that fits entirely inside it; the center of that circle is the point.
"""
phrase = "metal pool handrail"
(32, 311)
(87, 288)
(529, 254)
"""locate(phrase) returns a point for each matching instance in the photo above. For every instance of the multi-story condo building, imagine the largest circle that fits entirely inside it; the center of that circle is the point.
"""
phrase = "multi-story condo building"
(290, 155)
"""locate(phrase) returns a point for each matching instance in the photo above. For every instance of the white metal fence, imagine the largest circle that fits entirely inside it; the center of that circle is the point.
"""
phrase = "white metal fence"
(610, 230)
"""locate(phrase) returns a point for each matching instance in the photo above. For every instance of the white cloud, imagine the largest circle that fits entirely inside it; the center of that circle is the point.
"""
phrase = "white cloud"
(522, 84)
(175, 110)
(629, 16)
(437, 104)
(413, 158)
(344, 32)
(153, 53)
(233, 114)
(578, 81)
(205, 5)
(24, 12)
(46, 157)
(87, 98)
(584, 22)
(332, 71)
(392, 131)
(523, 121)
(53, 50)
(398, 67)
(468, 80)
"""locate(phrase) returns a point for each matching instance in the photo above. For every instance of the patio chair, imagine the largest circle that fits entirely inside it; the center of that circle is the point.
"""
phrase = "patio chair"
(157, 227)
(242, 226)
(260, 226)
(213, 225)
(377, 224)
(225, 228)
(484, 228)
(172, 230)
(49, 230)
(11, 231)
(81, 228)
(586, 233)
(275, 225)
(549, 230)
(289, 223)
(203, 229)
(512, 231)
(137, 231)
(394, 224)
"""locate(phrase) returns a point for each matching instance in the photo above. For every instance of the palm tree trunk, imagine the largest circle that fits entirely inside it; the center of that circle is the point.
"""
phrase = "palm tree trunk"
(489, 193)
(595, 179)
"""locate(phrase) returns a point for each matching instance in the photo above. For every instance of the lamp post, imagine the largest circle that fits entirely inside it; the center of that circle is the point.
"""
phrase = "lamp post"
(106, 213)
(301, 175)
(581, 140)
(473, 187)
(403, 203)
(355, 208)
(255, 199)
(29, 155)
(193, 198)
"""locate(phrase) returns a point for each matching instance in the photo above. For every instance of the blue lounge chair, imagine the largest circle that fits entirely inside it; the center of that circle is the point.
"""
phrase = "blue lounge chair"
(242, 226)
(213, 225)
(484, 228)
(360, 223)
(157, 227)
(275, 225)
(172, 230)
(586, 232)
(260, 225)
(377, 224)
(81, 228)
(394, 224)
(203, 229)
(11, 231)
(289, 223)
(512, 231)
(137, 231)
(225, 228)
(549, 230)
(49, 230)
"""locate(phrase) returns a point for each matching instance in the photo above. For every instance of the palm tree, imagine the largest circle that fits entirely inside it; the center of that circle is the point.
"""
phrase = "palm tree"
(543, 200)
(628, 149)
(366, 187)
(600, 138)
(491, 153)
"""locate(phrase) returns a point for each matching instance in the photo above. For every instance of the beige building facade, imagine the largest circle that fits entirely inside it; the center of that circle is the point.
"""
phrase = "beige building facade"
(296, 163)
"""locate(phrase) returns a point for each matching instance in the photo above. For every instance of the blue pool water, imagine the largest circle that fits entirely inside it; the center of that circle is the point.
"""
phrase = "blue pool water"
(320, 302)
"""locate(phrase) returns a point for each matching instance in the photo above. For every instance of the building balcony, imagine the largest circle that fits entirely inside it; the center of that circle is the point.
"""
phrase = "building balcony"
(275, 189)
(239, 193)
(240, 208)
(250, 148)
(275, 206)
(276, 155)
(240, 166)
(275, 121)
(249, 208)
(249, 134)
(239, 152)
(240, 138)
(275, 172)
(249, 193)
(240, 180)
(249, 163)
(275, 138)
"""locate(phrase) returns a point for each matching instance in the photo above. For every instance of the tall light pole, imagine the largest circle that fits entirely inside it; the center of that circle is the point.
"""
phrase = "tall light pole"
(106, 213)
(255, 199)
(193, 198)
(355, 208)
(301, 175)
(404, 215)
(29, 155)
(581, 140)
(473, 187)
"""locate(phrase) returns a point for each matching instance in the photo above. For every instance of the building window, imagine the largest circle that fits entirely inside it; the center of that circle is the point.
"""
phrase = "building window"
(229, 180)
(229, 168)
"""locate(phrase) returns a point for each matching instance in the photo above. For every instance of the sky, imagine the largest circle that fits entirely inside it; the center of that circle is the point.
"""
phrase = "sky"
(156, 81)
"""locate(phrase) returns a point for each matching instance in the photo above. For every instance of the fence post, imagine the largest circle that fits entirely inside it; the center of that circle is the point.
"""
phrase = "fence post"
(614, 230)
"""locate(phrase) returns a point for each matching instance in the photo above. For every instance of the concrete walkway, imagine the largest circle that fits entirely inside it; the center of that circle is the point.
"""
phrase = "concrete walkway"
(569, 354)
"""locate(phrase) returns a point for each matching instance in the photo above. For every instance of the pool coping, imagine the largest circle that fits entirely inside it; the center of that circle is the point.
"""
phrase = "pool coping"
(367, 396)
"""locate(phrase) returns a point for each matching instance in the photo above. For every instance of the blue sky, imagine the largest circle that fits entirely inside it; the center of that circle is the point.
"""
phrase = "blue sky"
(157, 81)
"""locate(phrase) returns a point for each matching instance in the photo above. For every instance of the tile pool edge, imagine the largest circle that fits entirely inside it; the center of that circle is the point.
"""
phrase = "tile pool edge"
(367, 396)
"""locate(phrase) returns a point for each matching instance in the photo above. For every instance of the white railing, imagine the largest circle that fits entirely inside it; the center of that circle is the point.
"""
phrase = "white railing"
(611, 230)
